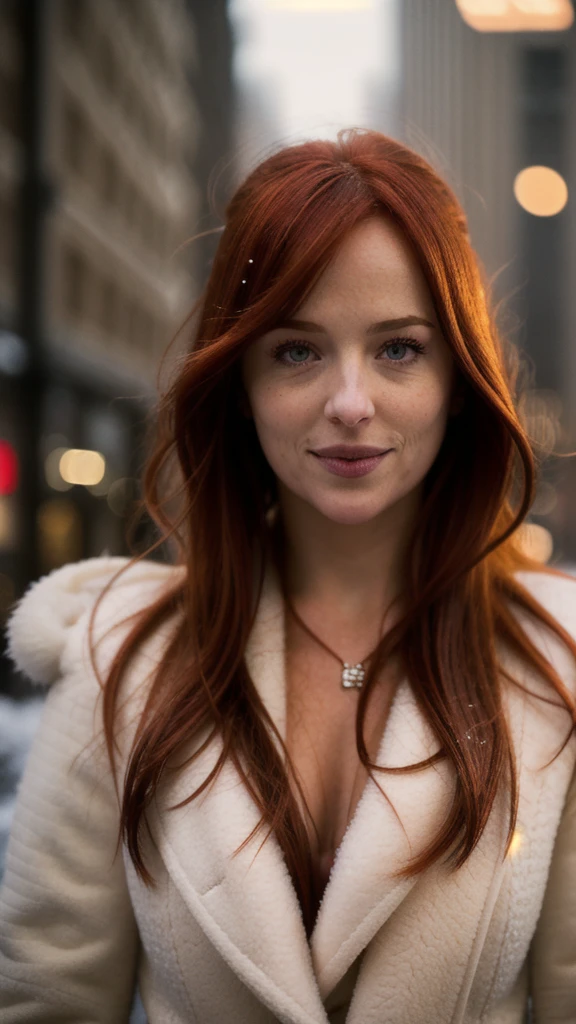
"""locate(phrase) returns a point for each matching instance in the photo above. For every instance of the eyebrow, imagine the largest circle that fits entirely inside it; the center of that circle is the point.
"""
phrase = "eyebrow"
(382, 325)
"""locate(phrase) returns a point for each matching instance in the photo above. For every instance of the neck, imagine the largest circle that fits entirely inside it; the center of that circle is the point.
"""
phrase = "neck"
(341, 566)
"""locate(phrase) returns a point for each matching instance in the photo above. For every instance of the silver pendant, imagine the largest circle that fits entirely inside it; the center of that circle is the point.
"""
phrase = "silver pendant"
(352, 676)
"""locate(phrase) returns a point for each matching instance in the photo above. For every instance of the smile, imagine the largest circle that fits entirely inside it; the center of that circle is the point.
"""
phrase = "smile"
(347, 467)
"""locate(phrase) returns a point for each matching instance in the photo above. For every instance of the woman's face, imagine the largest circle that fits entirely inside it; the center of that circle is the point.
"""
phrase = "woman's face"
(362, 362)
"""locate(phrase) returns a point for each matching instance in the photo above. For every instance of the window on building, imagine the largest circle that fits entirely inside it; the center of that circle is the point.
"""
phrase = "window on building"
(75, 136)
(75, 275)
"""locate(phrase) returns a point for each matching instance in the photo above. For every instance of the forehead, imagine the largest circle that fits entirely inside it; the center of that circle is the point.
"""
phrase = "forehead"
(375, 263)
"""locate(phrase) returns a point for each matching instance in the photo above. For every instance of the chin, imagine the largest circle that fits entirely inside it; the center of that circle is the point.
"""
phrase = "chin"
(350, 514)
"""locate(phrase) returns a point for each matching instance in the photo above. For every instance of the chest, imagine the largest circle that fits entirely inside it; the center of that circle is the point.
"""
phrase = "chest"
(321, 741)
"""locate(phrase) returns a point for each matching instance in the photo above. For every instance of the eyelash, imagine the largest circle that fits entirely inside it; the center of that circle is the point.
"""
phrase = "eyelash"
(285, 346)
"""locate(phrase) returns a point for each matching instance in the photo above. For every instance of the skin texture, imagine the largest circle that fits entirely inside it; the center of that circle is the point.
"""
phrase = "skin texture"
(348, 537)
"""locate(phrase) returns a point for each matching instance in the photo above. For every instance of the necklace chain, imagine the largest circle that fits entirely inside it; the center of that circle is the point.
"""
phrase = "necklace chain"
(352, 675)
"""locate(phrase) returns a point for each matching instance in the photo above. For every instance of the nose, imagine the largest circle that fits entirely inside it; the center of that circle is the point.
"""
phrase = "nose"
(349, 401)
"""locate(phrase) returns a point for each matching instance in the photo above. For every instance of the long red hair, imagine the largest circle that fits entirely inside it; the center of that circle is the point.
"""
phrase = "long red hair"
(283, 225)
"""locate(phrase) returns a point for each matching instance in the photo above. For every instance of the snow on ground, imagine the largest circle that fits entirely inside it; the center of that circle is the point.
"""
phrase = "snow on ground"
(18, 723)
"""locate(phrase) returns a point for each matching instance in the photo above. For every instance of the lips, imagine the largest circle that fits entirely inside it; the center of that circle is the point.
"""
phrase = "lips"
(349, 452)
(358, 465)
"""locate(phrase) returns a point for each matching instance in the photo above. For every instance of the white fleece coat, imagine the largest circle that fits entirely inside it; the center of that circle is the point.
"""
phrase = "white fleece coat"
(220, 940)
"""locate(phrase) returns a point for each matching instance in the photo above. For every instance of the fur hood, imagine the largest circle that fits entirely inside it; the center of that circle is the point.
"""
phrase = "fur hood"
(40, 624)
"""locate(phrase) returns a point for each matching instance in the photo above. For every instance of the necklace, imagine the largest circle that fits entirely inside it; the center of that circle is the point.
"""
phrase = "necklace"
(352, 675)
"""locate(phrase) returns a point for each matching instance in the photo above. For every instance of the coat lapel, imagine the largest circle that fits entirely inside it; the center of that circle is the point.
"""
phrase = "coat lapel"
(362, 893)
(246, 905)
(439, 933)
(422, 964)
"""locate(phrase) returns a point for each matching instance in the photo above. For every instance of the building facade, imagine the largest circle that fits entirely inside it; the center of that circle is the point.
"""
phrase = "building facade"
(103, 181)
(481, 107)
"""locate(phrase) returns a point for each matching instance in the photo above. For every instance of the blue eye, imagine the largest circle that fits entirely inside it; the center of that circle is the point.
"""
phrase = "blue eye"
(292, 346)
(392, 350)
(302, 350)
(395, 351)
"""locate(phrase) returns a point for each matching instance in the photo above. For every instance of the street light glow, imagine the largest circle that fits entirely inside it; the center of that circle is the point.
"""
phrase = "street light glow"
(536, 542)
(517, 15)
(79, 466)
(541, 191)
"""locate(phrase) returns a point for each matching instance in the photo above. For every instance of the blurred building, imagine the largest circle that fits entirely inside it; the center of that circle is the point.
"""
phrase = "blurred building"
(482, 107)
(107, 129)
(215, 159)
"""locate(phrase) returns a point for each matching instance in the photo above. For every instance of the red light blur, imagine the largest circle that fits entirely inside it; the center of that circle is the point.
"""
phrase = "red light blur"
(8, 468)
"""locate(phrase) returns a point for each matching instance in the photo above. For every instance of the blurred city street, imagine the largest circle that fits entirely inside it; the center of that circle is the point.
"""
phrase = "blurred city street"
(124, 128)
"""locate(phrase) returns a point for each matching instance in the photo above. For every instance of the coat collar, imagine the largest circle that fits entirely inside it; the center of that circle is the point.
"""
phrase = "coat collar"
(247, 904)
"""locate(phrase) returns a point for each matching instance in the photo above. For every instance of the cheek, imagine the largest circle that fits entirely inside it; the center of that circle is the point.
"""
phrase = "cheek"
(423, 417)
(277, 418)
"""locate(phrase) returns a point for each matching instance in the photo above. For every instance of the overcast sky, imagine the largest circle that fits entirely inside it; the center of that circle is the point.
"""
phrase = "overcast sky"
(315, 71)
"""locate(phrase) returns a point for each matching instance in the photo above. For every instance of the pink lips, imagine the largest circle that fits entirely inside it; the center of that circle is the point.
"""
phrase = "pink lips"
(349, 451)
(351, 460)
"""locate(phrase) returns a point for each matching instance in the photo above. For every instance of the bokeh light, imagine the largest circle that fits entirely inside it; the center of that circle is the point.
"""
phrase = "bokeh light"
(79, 466)
(59, 532)
(120, 496)
(541, 191)
(517, 15)
(536, 542)
(52, 470)
(7, 523)
(8, 468)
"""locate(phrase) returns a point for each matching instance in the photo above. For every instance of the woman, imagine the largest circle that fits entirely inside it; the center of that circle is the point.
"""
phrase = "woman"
(351, 655)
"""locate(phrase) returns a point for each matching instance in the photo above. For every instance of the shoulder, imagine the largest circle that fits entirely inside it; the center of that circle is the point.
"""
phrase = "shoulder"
(555, 591)
(44, 619)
